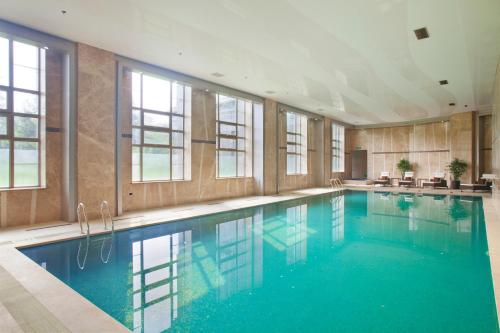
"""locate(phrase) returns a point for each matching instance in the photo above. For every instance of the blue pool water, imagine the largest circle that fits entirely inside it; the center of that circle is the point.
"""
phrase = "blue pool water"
(359, 262)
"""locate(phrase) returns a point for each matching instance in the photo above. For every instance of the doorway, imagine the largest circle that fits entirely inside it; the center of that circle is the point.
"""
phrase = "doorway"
(359, 165)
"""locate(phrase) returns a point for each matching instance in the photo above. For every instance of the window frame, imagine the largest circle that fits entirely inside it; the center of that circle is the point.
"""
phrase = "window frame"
(10, 114)
(300, 143)
(337, 148)
(159, 129)
(247, 129)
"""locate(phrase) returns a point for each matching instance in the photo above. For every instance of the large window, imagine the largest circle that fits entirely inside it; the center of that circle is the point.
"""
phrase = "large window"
(296, 144)
(337, 148)
(161, 129)
(234, 137)
(22, 114)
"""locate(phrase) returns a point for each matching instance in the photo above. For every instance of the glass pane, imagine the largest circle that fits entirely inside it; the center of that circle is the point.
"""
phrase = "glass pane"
(156, 120)
(25, 66)
(241, 144)
(3, 125)
(291, 164)
(291, 148)
(177, 164)
(3, 99)
(177, 123)
(4, 163)
(25, 102)
(177, 139)
(136, 164)
(241, 131)
(241, 112)
(290, 122)
(227, 129)
(187, 100)
(136, 117)
(25, 164)
(156, 138)
(241, 164)
(227, 163)
(155, 93)
(227, 109)
(136, 90)
(4, 61)
(177, 98)
(136, 136)
(26, 127)
(290, 138)
(227, 143)
(156, 163)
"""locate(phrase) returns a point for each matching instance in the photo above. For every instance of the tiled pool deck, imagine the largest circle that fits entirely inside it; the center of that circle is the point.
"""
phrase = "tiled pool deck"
(33, 300)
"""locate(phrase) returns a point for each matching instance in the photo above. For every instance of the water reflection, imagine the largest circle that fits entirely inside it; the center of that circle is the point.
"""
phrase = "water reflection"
(253, 265)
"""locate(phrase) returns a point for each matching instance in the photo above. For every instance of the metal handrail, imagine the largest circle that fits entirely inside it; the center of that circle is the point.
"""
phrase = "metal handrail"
(80, 210)
(106, 216)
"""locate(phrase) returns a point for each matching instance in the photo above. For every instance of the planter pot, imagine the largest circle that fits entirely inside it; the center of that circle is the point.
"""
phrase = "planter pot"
(455, 184)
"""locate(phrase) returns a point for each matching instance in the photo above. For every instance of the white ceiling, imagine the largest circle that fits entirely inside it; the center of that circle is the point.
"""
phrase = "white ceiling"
(355, 60)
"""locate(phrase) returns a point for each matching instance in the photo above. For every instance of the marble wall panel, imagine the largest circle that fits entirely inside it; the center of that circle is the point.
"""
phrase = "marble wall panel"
(495, 132)
(270, 147)
(96, 128)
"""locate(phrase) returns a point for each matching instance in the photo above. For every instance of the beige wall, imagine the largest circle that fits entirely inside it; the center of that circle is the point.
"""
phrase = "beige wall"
(96, 128)
(270, 147)
(42, 205)
(495, 130)
(429, 147)
(485, 140)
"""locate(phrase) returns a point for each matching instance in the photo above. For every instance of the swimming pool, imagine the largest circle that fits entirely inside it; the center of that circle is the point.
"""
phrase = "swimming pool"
(358, 262)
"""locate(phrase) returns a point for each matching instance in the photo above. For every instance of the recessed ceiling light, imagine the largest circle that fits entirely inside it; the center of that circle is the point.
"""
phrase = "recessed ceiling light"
(180, 53)
(63, 12)
(270, 92)
(421, 33)
(443, 82)
(206, 90)
(451, 104)
(466, 105)
(217, 74)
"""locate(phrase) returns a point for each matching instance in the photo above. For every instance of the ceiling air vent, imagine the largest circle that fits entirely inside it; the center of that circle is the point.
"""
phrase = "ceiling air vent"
(443, 82)
(421, 33)
(217, 74)
(451, 104)
(270, 92)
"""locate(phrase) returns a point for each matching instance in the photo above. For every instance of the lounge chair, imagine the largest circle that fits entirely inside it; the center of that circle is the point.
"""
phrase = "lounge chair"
(437, 180)
(407, 180)
(384, 179)
(483, 185)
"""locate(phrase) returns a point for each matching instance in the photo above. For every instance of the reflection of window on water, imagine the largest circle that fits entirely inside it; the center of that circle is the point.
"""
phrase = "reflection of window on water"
(337, 218)
(412, 221)
(239, 254)
(155, 272)
(296, 231)
(464, 226)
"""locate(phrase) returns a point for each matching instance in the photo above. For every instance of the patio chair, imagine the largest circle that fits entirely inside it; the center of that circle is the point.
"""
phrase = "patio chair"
(437, 180)
(383, 180)
(484, 184)
(408, 179)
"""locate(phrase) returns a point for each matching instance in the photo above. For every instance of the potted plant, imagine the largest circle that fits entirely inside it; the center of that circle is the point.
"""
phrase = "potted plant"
(457, 169)
(403, 166)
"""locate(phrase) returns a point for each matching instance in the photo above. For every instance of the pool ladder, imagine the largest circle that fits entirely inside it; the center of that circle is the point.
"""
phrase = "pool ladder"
(82, 217)
(336, 183)
(106, 216)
